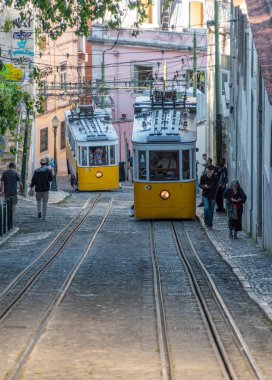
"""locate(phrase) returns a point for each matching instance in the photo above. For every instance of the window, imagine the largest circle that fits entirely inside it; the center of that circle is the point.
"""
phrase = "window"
(200, 79)
(98, 155)
(84, 161)
(63, 73)
(196, 14)
(185, 164)
(142, 165)
(164, 166)
(112, 155)
(43, 140)
(71, 141)
(62, 135)
(225, 79)
(143, 75)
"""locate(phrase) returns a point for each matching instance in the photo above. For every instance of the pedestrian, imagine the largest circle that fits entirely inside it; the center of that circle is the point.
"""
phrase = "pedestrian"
(9, 184)
(204, 157)
(209, 186)
(235, 199)
(208, 163)
(49, 163)
(222, 174)
(41, 180)
(197, 183)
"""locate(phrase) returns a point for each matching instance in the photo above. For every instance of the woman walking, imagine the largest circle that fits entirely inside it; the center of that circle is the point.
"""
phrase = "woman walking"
(235, 199)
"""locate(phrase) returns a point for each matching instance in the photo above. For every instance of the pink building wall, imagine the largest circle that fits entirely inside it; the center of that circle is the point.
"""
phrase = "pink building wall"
(119, 64)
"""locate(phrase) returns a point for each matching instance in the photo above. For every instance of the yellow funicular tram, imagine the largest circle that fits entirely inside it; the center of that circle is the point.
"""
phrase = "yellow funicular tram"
(92, 149)
(164, 149)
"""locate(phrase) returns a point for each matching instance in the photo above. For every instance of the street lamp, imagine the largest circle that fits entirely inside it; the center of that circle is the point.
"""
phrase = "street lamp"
(55, 124)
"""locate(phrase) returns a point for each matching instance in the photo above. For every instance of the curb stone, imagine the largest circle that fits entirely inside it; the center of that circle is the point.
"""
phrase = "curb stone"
(9, 235)
(267, 309)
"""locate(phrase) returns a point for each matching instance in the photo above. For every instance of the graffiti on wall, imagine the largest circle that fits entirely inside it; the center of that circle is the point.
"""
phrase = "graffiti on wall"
(9, 72)
(17, 61)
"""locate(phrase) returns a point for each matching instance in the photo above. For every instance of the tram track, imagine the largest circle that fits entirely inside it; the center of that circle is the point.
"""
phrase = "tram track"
(166, 363)
(56, 301)
(232, 354)
(213, 305)
(27, 277)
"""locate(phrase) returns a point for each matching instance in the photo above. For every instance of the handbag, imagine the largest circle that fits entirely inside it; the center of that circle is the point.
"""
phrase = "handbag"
(31, 192)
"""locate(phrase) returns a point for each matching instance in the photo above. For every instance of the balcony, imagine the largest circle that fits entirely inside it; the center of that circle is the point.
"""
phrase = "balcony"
(154, 39)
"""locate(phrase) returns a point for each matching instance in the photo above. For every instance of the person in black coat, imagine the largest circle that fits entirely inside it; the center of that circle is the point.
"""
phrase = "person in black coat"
(235, 199)
(209, 186)
(222, 174)
(41, 181)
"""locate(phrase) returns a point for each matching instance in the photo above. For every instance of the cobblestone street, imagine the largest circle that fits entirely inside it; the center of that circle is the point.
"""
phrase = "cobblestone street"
(91, 312)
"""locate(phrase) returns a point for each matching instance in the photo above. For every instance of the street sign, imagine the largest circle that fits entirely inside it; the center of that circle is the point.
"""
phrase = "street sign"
(2, 145)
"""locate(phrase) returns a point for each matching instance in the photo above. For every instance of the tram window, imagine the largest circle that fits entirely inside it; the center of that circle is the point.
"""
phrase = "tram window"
(84, 161)
(185, 164)
(98, 155)
(164, 166)
(112, 154)
(193, 163)
(142, 165)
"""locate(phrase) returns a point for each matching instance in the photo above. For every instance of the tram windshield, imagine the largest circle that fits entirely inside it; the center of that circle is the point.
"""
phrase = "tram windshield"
(96, 155)
(164, 166)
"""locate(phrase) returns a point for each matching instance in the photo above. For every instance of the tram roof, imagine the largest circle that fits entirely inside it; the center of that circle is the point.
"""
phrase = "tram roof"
(168, 122)
(90, 125)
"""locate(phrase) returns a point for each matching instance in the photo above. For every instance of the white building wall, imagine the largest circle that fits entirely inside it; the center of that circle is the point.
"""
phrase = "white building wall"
(249, 138)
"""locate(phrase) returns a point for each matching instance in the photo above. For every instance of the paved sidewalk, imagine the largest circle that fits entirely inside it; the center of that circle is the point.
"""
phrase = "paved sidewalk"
(55, 197)
(251, 264)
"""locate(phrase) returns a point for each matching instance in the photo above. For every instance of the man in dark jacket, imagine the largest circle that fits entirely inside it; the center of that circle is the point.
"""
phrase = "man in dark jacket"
(8, 186)
(41, 180)
(209, 186)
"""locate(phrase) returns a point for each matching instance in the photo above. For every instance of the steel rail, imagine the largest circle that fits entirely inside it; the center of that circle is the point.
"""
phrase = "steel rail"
(242, 346)
(56, 302)
(245, 351)
(167, 370)
(63, 238)
(211, 329)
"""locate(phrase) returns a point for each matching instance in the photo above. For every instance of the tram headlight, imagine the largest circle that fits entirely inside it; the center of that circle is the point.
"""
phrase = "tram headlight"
(164, 194)
(99, 174)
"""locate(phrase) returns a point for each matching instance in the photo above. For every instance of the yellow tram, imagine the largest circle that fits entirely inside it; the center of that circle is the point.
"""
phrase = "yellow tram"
(164, 149)
(92, 149)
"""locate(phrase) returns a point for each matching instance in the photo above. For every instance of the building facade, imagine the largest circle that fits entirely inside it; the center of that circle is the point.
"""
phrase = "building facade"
(163, 50)
(61, 63)
(17, 57)
(224, 18)
(250, 122)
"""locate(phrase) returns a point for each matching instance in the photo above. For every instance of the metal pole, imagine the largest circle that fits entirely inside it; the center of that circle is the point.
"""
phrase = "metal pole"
(103, 79)
(54, 186)
(24, 159)
(218, 120)
(195, 66)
